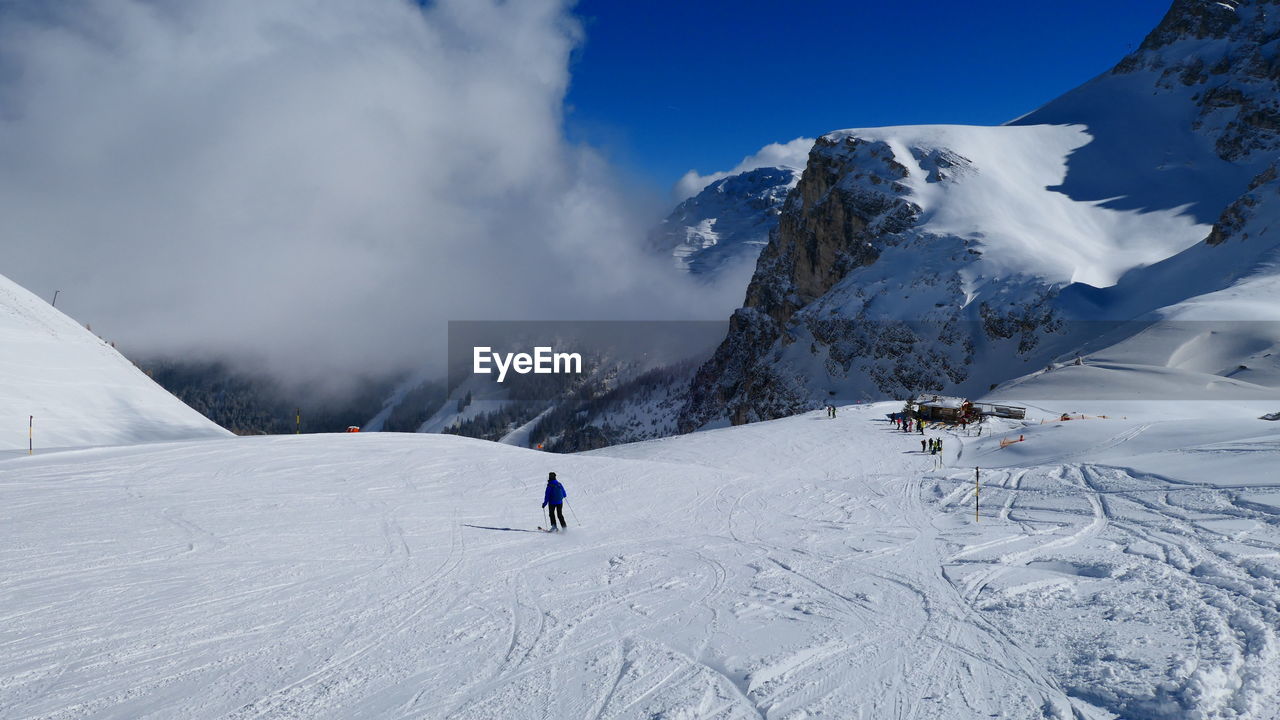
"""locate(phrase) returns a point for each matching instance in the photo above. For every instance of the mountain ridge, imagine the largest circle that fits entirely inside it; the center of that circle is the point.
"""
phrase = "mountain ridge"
(1022, 244)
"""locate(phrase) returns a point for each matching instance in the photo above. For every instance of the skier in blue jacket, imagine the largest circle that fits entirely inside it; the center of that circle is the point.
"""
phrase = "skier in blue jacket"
(553, 500)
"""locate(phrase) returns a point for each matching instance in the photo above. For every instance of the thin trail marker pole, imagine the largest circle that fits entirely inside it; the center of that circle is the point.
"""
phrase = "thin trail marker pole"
(298, 418)
(31, 433)
(977, 488)
(55, 298)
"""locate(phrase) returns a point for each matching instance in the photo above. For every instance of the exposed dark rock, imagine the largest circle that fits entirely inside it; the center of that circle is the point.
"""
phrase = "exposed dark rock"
(1239, 213)
(849, 199)
(1240, 71)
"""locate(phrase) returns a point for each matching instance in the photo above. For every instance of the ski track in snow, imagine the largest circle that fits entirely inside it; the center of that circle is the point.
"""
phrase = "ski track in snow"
(801, 568)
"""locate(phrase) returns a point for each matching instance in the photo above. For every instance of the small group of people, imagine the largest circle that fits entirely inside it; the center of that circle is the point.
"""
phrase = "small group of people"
(907, 424)
(933, 446)
(831, 410)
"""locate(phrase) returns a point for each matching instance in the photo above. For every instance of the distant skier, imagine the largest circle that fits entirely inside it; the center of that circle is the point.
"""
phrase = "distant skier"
(831, 410)
(922, 444)
(553, 500)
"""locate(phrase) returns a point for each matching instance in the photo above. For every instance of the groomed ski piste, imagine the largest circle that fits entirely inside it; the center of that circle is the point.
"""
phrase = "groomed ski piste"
(799, 568)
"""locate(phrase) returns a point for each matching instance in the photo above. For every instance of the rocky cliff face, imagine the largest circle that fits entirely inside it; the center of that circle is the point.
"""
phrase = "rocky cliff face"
(857, 296)
(849, 196)
(1224, 50)
(1248, 214)
(725, 224)
(912, 259)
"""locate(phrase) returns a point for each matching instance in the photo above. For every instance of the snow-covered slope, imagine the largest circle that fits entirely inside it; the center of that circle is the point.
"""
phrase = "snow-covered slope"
(806, 567)
(79, 389)
(1222, 340)
(727, 223)
(953, 258)
(474, 397)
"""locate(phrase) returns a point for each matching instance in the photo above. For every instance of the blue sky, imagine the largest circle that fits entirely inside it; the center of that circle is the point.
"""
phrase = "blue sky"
(664, 86)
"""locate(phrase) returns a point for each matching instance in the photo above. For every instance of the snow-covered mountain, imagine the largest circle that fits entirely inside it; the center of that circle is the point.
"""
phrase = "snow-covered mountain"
(79, 390)
(956, 258)
(727, 223)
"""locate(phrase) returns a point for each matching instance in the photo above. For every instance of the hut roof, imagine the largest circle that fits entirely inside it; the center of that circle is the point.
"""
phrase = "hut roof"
(941, 401)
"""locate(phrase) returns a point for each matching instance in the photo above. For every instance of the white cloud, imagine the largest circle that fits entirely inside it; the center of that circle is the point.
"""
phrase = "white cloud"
(322, 184)
(792, 154)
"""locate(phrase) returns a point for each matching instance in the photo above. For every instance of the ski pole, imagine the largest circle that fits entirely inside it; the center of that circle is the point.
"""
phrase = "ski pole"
(571, 512)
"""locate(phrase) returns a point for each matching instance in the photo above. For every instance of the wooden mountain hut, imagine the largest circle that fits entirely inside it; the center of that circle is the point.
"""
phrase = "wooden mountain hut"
(943, 408)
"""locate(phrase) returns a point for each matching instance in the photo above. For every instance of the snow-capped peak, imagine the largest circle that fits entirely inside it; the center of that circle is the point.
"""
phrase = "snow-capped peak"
(727, 223)
(793, 155)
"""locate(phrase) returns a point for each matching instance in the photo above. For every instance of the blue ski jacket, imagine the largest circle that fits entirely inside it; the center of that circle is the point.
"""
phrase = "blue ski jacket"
(555, 493)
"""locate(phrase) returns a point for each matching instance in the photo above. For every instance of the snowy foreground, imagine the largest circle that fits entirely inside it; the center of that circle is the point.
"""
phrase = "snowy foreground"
(799, 568)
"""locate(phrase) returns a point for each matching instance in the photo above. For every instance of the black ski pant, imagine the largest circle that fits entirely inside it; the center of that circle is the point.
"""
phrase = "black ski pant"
(554, 511)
